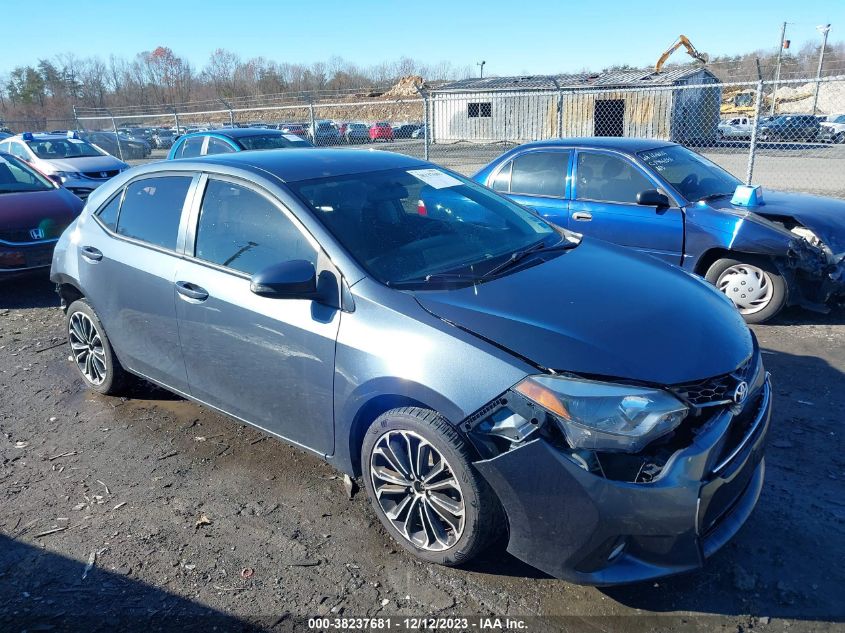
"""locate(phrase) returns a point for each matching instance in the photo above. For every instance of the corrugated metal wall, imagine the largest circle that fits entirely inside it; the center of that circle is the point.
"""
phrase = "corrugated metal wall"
(669, 113)
(646, 113)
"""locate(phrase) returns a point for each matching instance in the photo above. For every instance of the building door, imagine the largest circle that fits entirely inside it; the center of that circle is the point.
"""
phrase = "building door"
(609, 117)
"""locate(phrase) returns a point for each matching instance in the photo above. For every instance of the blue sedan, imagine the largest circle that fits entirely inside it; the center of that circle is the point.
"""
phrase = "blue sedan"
(228, 140)
(666, 200)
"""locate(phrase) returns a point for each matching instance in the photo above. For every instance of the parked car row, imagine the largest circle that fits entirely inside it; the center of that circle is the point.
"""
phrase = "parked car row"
(785, 127)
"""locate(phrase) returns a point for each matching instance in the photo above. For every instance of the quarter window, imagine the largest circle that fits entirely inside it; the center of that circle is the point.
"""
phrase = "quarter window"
(482, 110)
(502, 182)
(108, 214)
(609, 178)
(152, 208)
(241, 229)
(540, 174)
(16, 149)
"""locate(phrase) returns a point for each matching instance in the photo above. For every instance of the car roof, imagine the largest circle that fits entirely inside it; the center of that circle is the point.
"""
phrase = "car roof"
(291, 165)
(43, 136)
(621, 144)
(235, 132)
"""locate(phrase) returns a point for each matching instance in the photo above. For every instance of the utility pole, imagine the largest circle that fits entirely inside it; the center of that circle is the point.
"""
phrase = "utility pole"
(777, 69)
(824, 29)
(481, 64)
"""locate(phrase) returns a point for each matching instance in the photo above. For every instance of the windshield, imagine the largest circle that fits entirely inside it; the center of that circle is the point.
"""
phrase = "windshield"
(403, 225)
(271, 141)
(50, 149)
(690, 174)
(17, 177)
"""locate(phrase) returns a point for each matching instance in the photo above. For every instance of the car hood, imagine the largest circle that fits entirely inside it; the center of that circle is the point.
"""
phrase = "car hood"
(604, 311)
(87, 163)
(32, 209)
(823, 216)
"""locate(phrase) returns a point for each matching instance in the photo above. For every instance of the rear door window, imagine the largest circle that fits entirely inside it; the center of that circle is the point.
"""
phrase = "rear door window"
(540, 174)
(191, 147)
(218, 146)
(152, 208)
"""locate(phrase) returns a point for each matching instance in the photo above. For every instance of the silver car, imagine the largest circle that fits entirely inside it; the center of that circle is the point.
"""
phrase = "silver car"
(65, 158)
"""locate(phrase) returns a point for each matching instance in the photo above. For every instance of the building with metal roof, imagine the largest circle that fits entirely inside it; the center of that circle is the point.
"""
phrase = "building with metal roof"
(679, 104)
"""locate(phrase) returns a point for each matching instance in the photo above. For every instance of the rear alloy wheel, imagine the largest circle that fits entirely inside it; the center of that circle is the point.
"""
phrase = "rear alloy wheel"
(420, 480)
(90, 350)
(753, 284)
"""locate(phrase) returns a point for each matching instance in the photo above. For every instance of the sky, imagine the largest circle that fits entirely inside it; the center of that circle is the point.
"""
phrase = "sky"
(512, 37)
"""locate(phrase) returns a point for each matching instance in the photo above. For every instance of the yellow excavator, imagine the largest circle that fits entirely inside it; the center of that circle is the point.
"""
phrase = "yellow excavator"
(682, 40)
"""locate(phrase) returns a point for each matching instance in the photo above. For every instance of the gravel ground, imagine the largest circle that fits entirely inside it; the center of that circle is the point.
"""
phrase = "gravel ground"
(152, 513)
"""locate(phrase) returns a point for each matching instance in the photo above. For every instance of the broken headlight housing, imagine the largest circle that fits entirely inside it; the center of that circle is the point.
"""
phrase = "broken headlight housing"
(603, 416)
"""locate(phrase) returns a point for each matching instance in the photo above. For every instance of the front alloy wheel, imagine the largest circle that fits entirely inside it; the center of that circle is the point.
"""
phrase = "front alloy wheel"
(419, 477)
(417, 490)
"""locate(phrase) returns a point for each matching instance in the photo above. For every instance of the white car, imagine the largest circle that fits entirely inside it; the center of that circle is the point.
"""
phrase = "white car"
(833, 130)
(737, 127)
(66, 159)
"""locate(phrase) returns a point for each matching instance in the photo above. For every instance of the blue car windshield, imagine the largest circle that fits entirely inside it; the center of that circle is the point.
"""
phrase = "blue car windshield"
(690, 174)
(407, 225)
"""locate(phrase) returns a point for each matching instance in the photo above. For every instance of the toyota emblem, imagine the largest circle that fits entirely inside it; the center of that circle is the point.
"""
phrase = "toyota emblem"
(37, 234)
(741, 392)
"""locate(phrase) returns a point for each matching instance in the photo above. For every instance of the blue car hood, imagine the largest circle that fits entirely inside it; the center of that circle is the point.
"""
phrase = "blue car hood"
(823, 216)
(604, 311)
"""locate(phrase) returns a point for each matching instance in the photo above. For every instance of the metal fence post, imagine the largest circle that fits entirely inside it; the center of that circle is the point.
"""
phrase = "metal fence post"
(313, 124)
(176, 118)
(752, 146)
(76, 118)
(229, 108)
(559, 107)
(424, 96)
(116, 135)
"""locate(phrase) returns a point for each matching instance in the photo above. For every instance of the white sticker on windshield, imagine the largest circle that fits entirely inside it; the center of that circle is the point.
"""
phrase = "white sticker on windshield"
(292, 137)
(76, 140)
(435, 178)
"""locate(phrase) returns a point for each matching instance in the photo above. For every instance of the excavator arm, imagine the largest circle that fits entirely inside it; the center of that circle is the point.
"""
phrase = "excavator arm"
(682, 40)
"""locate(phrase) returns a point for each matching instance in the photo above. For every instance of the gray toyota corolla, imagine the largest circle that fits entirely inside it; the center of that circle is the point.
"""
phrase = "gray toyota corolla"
(483, 371)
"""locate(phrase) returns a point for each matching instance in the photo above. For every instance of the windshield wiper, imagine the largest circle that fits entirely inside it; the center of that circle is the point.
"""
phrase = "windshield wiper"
(713, 196)
(518, 256)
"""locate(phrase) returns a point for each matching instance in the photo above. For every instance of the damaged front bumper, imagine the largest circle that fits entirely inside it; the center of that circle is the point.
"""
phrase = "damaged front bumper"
(815, 275)
(585, 528)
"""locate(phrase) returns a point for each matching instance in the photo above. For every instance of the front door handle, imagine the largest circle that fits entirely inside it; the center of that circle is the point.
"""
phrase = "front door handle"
(582, 216)
(91, 254)
(191, 291)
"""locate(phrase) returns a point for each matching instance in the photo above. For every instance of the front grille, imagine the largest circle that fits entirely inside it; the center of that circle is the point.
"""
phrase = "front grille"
(99, 174)
(713, 391)
(17, 236)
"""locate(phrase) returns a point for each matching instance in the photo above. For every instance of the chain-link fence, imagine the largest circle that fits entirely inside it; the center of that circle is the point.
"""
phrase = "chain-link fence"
(789, 135)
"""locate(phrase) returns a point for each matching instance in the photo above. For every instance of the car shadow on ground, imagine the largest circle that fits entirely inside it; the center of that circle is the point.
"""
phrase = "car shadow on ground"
(28, 291)
(795, 315)
(787, 560)
(44, 591)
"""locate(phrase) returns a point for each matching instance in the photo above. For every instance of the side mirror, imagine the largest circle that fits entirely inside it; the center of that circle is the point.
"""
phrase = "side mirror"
(295, 279)
(653, 198)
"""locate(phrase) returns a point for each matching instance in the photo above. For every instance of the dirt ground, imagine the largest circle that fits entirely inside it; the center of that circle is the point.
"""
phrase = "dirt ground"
(153, 513)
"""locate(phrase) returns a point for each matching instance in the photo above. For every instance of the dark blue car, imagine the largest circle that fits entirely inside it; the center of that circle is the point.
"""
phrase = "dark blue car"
(484, 372)
(229, 140)
(666, 200)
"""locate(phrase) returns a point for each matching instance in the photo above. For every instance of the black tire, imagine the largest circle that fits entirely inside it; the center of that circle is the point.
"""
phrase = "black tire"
(839, 138)
(483, 517)
(776, 301)
(116, 378)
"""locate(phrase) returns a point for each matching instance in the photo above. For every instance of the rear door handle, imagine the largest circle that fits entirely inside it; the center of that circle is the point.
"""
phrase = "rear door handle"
(91, 254)
(582, 216)
(191, 291)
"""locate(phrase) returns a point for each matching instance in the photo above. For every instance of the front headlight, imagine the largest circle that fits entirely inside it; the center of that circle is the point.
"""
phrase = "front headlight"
(67, 175)
(605, 416)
